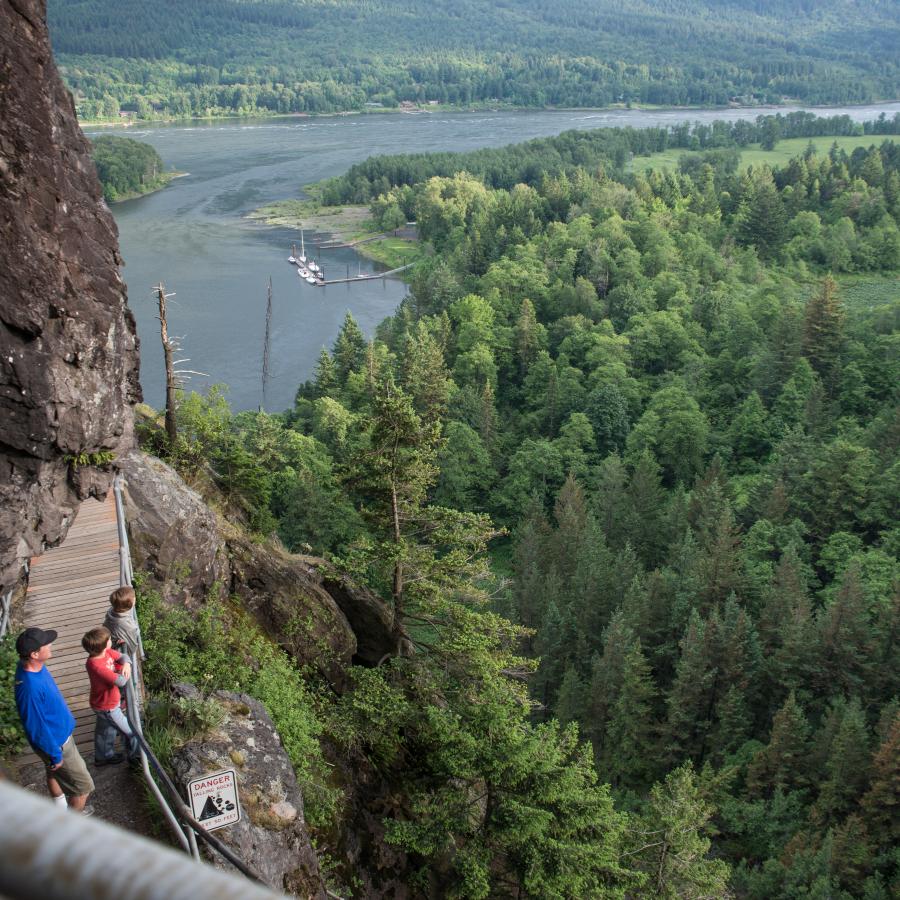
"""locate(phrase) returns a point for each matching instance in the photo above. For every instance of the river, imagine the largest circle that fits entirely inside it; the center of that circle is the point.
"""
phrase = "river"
(195, 237)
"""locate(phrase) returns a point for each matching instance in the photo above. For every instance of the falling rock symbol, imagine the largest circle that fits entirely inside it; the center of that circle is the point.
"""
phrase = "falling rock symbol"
(210, 810)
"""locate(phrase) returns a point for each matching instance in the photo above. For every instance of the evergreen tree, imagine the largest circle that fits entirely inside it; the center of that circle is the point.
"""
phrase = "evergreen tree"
(571, 701)
(761, 219)
(326, 375)
(425, 376)
(645, 499)
(606, 679)
(823, 331)
(845, 651)
(349, 351)
(690, 698)
(847, 766)
(782, 764)
(673, 847)
(630, 734)
(881, 802)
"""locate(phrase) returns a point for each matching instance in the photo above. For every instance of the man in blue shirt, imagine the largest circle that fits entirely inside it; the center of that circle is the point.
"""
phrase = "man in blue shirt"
(47, 721)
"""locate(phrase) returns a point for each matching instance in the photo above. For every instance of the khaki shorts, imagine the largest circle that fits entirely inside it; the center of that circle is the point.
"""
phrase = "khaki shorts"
(72, 776)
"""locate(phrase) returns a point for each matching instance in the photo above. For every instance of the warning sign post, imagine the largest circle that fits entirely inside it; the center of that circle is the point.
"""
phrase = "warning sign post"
(214, 799)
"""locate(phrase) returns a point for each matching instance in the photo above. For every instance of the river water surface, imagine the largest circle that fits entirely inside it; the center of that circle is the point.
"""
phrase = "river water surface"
(195, 237)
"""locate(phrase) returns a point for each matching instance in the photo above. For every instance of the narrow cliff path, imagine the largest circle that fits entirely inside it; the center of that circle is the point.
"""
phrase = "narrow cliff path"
(68, 591)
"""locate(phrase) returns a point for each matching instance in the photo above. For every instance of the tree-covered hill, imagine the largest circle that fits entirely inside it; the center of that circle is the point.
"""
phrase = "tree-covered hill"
(229, 56)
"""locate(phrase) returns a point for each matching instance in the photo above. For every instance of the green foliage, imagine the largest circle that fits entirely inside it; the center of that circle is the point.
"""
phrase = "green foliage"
(672, 846)
(97, 458)
(127, 168)
(218, 648)
(12, 738)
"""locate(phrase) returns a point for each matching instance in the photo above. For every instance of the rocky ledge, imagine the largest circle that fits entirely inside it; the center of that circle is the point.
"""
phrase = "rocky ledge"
(271, 836)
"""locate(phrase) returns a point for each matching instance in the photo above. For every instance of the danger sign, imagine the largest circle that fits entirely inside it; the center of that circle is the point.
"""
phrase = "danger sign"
(214, 799)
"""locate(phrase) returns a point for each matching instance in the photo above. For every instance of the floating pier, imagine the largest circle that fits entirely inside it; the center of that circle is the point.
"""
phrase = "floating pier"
(363, 277)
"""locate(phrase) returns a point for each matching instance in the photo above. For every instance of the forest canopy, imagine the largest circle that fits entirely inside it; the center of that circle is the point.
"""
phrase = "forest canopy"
(127, 168)
(626, 463)
(216, 57)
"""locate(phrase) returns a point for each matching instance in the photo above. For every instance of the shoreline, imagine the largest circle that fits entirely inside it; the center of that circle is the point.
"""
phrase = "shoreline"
(346, 223)
(168, 178)
(791, 106)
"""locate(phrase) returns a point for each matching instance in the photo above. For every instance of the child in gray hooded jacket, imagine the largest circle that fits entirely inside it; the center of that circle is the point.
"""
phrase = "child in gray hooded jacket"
(122, 623)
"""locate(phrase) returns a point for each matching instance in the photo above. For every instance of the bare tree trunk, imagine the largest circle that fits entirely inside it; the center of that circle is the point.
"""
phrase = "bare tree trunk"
(171, 384)
(265, 362)
(398, 566)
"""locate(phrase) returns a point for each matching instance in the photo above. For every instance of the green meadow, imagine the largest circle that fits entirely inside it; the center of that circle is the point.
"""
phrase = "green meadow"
(753, 155)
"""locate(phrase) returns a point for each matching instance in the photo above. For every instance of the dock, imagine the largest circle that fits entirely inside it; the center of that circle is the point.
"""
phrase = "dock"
(354, 278)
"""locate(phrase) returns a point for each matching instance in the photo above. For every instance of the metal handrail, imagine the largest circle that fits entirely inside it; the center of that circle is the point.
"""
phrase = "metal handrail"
(5, 603)
(49, 853)
(186, 828)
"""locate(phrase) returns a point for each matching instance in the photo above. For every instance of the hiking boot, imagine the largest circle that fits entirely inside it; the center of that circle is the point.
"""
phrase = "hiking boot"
(113, 760)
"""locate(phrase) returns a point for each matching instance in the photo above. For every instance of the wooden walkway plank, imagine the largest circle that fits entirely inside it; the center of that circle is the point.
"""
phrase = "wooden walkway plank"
(68, 591)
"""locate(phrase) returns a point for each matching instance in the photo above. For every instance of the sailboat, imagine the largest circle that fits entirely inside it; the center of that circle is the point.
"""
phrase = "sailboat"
(302, 257)
(293, 257)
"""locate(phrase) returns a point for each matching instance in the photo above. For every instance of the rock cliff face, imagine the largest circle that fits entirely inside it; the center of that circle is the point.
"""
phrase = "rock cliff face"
(68, 348)
(191, 552)
(271, 837)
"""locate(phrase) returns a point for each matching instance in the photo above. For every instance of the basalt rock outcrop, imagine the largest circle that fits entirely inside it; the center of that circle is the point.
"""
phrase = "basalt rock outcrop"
(68, 347)
(271, 836)
(193, 552)
(172, 532)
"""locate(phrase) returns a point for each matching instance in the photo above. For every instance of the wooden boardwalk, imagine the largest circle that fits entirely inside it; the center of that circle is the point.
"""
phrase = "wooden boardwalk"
(68, 591)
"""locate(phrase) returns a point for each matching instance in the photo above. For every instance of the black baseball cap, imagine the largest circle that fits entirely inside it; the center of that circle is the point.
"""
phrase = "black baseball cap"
(32, 639)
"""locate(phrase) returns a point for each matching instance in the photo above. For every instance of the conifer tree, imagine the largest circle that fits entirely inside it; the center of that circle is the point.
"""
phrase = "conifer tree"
(644, 510)
(673, 845)
(881, 802)
(606, 677)
(851, 855)
(631, 731)
(761, 218)
(529, 585)
(787, 588)
(823, 331)
(425, 376)
(487, 418)
(530, 337)
(846, 636)
(325, 375)
(570, 512)
(571, 701)
(782, 764)
(611, 503)
(794, 663)
(689, 700)
(847, 766)
(349, 350)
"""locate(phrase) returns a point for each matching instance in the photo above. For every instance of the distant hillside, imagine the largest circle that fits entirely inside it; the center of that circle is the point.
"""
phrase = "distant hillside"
(209, 57)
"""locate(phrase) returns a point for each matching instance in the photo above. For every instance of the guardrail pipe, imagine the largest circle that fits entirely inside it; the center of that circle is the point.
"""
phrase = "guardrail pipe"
(55, 854)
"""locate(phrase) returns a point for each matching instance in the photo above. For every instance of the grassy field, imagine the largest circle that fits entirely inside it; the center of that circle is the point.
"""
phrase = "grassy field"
(866, 293)
(784, 151)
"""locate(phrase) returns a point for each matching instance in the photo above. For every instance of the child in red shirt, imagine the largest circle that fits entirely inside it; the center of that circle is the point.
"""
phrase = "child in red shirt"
(108, 670)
